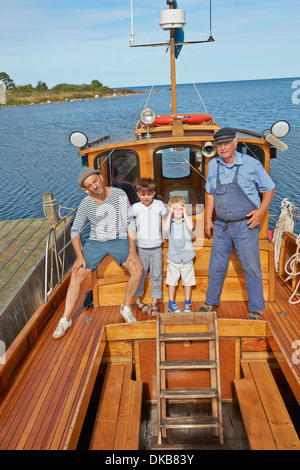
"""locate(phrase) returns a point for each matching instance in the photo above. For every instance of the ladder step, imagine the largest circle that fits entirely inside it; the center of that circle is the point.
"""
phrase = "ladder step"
(184, 318)
(188, 393)
(187, 337)
(191, 364)
(188, 422)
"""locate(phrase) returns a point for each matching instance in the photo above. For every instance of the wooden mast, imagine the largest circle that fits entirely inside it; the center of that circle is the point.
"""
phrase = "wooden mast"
(173, 68)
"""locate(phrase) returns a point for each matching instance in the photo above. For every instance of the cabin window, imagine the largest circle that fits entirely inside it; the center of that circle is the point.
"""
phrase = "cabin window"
(179, 171)
(253, 150)
(122, 171)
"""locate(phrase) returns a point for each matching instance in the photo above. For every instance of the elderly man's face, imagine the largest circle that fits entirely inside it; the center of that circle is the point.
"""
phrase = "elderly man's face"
(226, 150)
(94, 184)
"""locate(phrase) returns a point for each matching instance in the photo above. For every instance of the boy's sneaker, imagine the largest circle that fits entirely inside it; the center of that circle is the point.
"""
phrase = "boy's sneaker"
(127, 314)
(173, 308)
(62, 327)
(187, 306)
(207, 308)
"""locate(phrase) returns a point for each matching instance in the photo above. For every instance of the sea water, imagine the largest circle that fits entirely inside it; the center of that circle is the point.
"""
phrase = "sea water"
(36, 155)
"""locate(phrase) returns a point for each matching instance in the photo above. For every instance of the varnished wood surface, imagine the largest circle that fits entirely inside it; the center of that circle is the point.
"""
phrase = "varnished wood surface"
(266, 419)
(39, 409)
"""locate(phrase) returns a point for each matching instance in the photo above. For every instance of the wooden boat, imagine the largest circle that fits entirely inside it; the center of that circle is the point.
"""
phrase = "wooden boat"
(96, 388)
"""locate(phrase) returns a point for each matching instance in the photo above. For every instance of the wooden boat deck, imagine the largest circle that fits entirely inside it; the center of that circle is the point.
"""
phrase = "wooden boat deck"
(39, 410)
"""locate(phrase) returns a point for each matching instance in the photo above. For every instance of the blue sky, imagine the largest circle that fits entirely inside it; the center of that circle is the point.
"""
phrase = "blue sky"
(77, 41)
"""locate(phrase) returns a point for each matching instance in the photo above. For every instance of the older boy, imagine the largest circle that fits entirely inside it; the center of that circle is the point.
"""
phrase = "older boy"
(148, 214)
(180, 229)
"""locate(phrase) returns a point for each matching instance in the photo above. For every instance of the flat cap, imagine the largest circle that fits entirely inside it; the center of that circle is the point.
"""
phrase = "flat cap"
(85, 173)
(224, 135)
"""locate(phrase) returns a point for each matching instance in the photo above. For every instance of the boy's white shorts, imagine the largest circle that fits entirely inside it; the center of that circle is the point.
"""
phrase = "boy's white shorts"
(186, 271)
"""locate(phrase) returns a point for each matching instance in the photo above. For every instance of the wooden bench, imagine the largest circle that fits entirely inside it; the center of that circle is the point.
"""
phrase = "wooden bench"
(109, 280)
(266, 419)
(117, 424)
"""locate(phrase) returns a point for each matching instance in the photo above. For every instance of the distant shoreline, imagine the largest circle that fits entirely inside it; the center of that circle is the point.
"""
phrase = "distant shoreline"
(69, 97)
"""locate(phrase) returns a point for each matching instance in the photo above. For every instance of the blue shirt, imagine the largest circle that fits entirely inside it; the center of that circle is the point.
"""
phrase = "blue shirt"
(252, 177)
(180, 242)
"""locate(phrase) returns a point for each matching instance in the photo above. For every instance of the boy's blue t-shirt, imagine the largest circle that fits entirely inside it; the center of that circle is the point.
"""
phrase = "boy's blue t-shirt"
(180, 242)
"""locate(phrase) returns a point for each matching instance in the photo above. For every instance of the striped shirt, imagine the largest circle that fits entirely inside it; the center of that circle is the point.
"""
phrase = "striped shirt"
(252, 176)
(109, 219)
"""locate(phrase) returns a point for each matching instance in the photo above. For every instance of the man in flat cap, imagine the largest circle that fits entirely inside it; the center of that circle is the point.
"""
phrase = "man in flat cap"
(112, 232)
(234, 183)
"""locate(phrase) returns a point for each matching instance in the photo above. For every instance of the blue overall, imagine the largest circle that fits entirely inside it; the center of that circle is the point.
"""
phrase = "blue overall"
(231, 231)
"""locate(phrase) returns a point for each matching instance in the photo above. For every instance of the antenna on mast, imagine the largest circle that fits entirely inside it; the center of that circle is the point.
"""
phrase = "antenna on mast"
(210, 24)
(131, 40)
(165, 16)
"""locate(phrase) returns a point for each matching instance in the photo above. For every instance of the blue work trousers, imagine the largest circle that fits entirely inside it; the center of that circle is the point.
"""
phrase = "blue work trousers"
(246, 243)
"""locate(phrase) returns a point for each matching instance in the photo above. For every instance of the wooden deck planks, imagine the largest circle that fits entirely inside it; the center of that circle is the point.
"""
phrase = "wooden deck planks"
(38, 411)
(255, 421)
(265, 416)
(48, 384)
(280, 423)
(117, 422)
(286, 327)
(106, 419)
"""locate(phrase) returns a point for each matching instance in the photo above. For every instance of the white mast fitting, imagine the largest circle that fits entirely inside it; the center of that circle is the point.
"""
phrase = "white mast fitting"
(131, 40)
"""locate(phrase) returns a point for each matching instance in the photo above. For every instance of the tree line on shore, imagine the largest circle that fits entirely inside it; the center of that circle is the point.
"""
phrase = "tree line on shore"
(41, 87)
(19, 95)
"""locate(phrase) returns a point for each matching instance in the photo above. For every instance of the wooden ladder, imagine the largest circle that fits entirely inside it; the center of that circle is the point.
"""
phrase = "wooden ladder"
(188, 327)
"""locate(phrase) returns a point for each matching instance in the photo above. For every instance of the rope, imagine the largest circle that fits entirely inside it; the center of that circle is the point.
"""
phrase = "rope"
(187, 72)
(59, 208)
(193, 168)
(192, 80)
(292, 263)
(156, 77)
(285, 223)
(50, 203)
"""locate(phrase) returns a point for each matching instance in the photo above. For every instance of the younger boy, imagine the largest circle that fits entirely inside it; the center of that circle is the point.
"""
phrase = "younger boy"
(180, 228)
(148, 214)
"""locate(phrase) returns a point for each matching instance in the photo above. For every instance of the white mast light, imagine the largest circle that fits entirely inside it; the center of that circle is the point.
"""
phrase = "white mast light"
(169, 19)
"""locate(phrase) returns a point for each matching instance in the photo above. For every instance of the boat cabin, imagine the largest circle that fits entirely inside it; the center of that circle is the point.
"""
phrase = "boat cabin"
(176, 156)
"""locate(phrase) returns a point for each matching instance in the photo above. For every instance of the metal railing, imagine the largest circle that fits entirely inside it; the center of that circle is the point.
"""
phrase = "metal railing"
(55, 258)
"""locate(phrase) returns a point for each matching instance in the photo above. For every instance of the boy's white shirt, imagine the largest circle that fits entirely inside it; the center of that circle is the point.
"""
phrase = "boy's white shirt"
(148, 223)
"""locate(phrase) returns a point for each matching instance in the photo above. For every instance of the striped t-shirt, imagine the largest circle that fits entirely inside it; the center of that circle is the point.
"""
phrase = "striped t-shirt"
(109, 219)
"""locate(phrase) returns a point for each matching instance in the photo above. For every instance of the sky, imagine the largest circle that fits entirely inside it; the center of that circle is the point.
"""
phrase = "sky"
(77, 41)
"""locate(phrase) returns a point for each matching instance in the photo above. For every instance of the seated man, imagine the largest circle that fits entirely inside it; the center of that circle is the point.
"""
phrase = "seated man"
(112, 232)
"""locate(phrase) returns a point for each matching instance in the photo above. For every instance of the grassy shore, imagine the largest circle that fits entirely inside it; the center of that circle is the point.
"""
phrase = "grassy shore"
(23, 99)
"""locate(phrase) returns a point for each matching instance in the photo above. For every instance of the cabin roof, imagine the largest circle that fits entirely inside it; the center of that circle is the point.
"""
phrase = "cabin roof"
(108, 141)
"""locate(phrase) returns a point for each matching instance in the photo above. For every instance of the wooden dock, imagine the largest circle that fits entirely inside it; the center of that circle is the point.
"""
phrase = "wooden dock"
(22, 248)
(22, 253)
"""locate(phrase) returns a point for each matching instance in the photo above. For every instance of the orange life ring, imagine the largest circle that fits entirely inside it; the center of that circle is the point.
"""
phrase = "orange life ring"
(167, 119)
